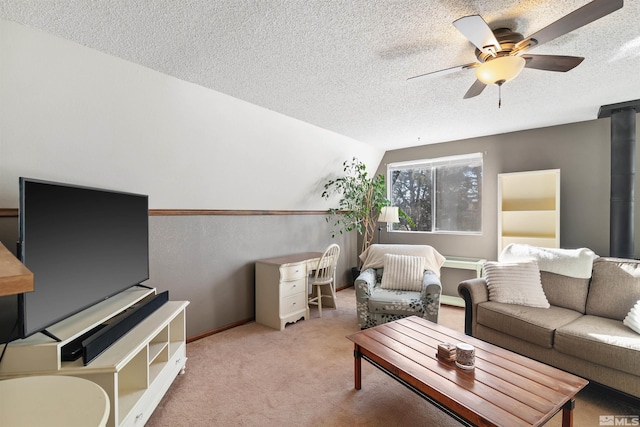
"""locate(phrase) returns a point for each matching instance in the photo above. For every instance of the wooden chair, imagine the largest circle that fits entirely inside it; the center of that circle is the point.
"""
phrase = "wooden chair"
(324, 276)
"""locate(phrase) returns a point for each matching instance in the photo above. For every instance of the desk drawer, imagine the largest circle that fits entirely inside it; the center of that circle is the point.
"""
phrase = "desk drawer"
(292, 303)
(293, 271)
(292, 287)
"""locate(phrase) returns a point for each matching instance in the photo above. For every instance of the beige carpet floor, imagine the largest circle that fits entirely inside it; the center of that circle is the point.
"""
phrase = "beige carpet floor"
(252, 375)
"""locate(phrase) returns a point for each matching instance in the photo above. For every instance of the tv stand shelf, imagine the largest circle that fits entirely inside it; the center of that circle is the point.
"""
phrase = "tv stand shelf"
(135, 371)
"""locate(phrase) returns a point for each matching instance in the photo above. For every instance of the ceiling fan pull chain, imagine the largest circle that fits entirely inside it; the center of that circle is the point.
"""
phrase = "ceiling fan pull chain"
(499, 95)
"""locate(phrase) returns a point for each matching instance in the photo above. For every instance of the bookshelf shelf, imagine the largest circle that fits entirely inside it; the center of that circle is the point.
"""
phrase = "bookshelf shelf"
(529, 208)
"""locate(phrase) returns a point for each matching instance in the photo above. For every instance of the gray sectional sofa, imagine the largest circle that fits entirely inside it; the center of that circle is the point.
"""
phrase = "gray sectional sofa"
(581, 332)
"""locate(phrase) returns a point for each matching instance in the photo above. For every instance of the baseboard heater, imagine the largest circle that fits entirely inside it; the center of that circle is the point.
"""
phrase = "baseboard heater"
(93, 346)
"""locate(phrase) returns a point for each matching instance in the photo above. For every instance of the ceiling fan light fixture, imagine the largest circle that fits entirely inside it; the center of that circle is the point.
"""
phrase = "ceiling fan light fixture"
(500, 70)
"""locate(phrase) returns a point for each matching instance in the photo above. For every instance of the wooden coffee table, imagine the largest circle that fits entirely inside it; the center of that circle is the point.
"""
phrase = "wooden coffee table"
(504, 388)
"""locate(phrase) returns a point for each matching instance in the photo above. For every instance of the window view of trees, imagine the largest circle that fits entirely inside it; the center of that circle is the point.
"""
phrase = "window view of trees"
(442, 194)
(411, 191)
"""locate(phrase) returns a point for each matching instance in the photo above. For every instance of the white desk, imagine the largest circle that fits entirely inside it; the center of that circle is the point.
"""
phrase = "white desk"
(281, 288)
(53, 400)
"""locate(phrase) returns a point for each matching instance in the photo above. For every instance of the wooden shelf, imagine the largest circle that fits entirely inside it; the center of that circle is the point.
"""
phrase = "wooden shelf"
(15, 278)
(127, 400)
(155, 349)
(548, 242)
(542, 223)
(528, 205)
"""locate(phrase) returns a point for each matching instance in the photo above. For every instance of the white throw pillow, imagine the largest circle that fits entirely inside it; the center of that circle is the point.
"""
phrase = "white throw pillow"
(403, 272)
(633, 318)
(515, 283)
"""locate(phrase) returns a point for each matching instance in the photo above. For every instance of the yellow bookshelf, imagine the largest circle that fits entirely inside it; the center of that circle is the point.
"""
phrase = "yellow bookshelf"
(529, 208)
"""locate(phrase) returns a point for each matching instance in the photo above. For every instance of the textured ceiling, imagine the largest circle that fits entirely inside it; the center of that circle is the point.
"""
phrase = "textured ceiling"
(342, 64)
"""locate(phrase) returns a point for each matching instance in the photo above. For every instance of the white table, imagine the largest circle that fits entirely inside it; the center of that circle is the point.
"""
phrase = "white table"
(465, 264)
(53, 400)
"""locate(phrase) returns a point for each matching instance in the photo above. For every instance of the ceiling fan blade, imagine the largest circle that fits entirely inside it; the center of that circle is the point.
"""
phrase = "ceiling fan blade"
(476, 89)
(475, 29)
(552, 62)
(445, 71)
(586, 14)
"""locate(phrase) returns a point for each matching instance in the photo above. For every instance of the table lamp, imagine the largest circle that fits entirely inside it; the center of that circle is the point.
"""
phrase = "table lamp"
(388, 214)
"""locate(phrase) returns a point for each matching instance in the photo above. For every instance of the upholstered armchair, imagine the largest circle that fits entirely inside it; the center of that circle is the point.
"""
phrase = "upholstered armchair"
(397, 281)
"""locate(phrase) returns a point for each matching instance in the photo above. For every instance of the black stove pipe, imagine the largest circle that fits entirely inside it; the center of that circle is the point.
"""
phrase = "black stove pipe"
(623, 172)
(623, 158)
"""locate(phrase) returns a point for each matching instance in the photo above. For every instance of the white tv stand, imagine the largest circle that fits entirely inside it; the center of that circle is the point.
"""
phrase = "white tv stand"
(135, 371)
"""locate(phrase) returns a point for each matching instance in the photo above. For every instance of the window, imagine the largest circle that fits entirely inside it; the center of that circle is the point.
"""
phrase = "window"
(439, 195)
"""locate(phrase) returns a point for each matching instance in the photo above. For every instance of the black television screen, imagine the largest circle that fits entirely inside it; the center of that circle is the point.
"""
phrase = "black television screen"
(82, 244)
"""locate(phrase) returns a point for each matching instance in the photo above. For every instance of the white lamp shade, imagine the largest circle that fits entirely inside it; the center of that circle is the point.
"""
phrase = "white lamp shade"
(500, 70)
(389, 214)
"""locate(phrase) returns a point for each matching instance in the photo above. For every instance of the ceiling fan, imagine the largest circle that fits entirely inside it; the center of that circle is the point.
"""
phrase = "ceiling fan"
(501, 52)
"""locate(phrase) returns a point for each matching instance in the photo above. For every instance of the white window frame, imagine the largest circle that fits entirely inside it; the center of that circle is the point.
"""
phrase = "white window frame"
(432, 163)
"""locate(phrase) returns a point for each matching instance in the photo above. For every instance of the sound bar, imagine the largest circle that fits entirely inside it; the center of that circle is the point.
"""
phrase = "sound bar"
(93, 346)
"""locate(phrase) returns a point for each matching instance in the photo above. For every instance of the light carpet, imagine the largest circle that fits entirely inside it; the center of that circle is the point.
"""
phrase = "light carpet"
(252, 375)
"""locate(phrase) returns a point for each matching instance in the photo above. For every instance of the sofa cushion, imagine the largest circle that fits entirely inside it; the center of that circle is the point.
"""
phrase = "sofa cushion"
(602, 341)
(565, 291)
(533, 324)
(615, 287)
(403, 272)
(395, 302)
(515, 283)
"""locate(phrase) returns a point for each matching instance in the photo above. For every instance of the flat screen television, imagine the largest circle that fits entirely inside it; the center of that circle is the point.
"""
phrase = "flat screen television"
(82, 244)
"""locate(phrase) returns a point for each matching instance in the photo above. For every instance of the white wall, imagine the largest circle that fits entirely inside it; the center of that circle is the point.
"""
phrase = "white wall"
(72, 114)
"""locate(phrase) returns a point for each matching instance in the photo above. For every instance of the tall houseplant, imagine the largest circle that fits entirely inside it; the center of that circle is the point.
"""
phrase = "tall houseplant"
(362, 199)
